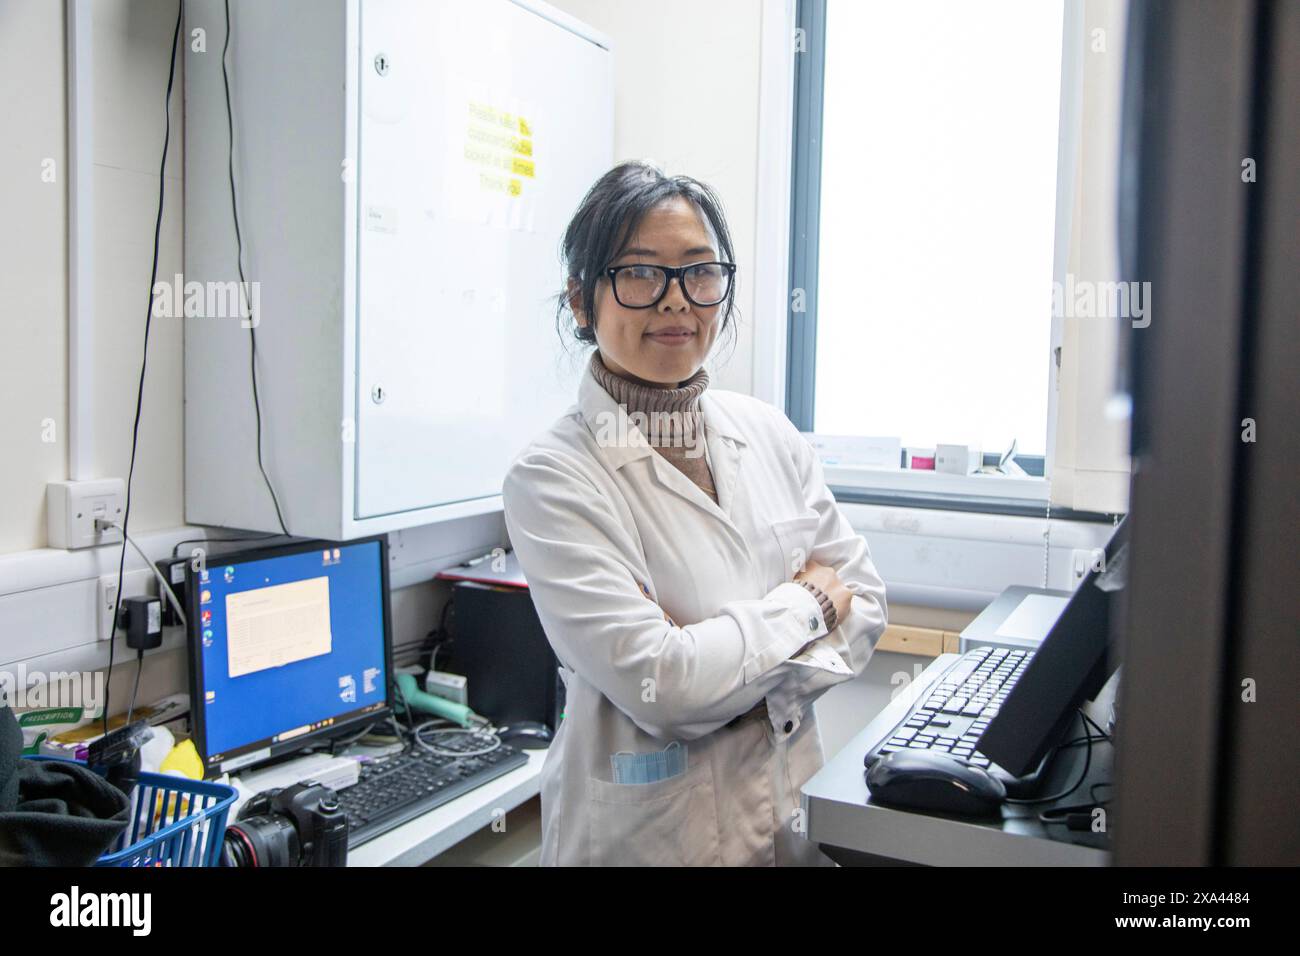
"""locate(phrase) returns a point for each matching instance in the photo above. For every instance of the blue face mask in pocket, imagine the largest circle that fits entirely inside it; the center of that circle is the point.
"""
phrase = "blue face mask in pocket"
(630, 768)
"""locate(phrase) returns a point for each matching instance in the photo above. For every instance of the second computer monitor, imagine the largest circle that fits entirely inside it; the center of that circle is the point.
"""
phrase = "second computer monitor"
(1069, 667)
(288, 645)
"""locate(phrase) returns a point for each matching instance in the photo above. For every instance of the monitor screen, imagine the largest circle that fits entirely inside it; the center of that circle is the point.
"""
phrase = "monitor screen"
(287, 645)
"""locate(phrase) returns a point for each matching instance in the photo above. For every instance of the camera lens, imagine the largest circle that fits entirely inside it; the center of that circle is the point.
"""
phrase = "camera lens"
(262, 841)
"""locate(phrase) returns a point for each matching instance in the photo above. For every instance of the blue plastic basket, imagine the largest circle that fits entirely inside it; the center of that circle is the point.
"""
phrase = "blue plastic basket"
(174, 821)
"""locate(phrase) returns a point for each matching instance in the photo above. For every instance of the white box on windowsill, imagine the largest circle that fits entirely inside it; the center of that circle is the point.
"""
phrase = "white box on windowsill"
(958, 459)
(863, 452)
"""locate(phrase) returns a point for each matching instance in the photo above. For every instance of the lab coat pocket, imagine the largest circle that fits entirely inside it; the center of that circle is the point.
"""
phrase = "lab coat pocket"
(671, 822)
(796, 537)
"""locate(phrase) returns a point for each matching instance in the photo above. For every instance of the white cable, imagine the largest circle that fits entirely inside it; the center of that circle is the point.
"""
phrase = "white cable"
(1047, 537)
(164, 584)
(485, 734)
(1047, 532)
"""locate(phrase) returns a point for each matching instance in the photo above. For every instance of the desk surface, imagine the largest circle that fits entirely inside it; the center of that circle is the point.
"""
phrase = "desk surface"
(420, 840)
(838, 813)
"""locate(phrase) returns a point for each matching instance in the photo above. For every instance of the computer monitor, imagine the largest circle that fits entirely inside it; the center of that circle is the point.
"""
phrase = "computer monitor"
(1069, 667)
(288, 645)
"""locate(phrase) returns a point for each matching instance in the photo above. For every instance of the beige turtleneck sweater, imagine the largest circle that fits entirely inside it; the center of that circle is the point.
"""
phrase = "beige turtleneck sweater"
(670, 418)
(673, 423)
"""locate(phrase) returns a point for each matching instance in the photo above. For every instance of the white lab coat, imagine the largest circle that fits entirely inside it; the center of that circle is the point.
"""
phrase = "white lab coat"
(718, 627)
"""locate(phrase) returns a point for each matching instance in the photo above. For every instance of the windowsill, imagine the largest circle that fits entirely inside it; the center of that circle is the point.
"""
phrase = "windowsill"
(1006, 495)
(929, 483)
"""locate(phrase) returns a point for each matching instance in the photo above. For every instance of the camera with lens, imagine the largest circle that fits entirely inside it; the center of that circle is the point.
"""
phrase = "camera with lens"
(301, 825)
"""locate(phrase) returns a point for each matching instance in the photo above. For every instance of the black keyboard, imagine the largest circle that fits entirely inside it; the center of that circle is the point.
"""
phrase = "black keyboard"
(393, 791)
(953, 713)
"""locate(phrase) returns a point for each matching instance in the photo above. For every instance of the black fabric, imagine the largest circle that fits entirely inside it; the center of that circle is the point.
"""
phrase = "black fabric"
(53, 812)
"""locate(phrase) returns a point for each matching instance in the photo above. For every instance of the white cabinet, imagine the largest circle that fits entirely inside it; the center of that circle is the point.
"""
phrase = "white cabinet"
(405, 171)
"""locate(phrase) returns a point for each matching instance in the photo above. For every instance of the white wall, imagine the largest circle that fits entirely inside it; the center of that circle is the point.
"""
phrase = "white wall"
(669, 56)
(132, 43)
(33, 267)
(131, 50)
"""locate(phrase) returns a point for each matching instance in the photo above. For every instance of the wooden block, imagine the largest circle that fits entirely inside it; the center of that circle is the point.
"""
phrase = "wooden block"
(951, 642)
(921, 641)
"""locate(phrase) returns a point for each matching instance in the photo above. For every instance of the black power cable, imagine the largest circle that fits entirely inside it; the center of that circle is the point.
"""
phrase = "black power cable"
(1087, 764)
(243, 284)
(135, 691)
(144, 359)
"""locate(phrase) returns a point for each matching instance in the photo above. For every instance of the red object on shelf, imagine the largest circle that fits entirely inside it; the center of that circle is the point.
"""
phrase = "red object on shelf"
(490, 570)
(922, 464)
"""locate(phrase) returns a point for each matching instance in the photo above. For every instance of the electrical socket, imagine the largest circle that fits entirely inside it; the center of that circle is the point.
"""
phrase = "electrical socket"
(71, 508)
(137, 583)
(1082, 561)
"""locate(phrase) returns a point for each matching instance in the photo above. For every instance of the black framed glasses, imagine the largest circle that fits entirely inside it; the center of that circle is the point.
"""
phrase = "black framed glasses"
(642, 286)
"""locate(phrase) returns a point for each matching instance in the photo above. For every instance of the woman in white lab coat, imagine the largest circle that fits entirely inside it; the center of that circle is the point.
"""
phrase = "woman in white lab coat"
(697, 581)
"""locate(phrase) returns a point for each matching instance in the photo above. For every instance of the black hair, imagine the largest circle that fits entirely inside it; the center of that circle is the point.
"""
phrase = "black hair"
(606, 221)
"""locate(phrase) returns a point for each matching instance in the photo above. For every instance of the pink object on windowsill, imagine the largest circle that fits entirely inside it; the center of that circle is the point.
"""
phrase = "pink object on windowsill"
(922, 464)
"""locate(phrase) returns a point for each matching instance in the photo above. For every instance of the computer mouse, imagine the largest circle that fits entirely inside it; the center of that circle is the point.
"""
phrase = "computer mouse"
(529, 734)
(925, 780)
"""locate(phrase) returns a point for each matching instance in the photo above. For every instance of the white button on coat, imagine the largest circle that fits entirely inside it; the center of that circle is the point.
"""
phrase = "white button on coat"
(673, 615)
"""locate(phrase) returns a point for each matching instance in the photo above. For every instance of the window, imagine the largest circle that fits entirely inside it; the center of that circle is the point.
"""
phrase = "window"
(925, 226)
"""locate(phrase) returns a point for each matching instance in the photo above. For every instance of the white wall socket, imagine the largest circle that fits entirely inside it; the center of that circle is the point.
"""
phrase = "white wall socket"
(71, 508)
(1082, 561)
(138, 583)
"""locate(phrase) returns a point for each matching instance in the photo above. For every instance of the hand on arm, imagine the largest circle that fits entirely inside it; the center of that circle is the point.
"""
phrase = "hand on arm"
(827, 582)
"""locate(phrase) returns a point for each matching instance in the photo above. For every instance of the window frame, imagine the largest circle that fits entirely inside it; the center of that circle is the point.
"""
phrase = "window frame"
(983, 493)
